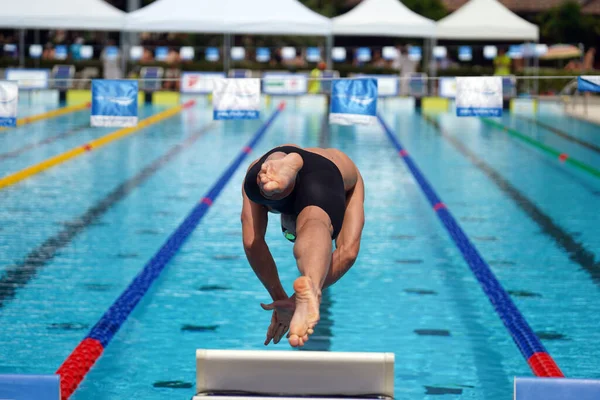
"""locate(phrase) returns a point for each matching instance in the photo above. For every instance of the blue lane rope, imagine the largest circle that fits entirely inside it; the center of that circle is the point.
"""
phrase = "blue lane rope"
(116, 315)
(524, 337)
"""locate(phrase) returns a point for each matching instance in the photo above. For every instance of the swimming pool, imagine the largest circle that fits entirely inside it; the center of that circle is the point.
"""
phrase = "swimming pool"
(73, 237)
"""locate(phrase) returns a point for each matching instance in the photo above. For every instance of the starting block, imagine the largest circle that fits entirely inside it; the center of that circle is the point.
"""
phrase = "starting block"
(291, 375)
(556, 389)
(25, 387)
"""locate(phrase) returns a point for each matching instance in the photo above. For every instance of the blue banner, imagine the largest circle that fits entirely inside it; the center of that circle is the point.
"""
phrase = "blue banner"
(465, 53)
(263, 54)
(353, 101)
(528, 388)
(313, 54)
(588, 83)
(161, 53)
(212, 54)
(9, 100)
(114, 103)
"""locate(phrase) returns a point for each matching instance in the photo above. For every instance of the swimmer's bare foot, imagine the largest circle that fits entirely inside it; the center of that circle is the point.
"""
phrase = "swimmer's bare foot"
(277, 175)
(306, 314)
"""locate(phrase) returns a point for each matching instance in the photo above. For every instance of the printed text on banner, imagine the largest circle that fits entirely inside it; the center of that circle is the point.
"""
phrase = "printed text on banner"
(236, 98)
(479, 96)
(114, 103)
(9, 99)
(353, 101)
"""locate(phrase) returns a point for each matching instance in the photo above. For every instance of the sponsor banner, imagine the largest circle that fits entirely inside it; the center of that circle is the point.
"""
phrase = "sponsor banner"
(114, 103)
(353, 101)
(237, 98)
(9, 99)
(199, 82)
(479, 96)
(28, 79)
(281, 83)
(588, 83)
(387, 85)
(447, 87)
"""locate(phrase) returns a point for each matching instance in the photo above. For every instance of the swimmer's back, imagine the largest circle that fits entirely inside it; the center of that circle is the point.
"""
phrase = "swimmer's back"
(342, 162)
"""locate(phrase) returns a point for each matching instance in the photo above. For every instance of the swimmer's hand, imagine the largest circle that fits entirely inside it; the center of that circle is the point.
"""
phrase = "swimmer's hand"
(283, 311)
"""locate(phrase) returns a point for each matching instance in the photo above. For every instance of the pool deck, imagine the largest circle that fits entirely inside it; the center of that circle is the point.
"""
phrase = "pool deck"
(584, 109)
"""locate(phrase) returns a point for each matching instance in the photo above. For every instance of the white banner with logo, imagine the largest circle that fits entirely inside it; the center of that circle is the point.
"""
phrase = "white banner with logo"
(9, 99)
(199, 82)
(387, 85)
(281, 83)
(28, 78)
(479, 96)
(114, 103)
(236, 98)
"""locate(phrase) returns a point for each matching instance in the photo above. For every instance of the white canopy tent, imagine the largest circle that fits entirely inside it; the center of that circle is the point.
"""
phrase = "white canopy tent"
(268, 17)
(486, 20)
(61, 14)
(383, 18)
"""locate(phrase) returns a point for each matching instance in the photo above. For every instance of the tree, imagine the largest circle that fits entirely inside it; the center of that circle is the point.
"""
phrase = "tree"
(565, 23)
(432, 9)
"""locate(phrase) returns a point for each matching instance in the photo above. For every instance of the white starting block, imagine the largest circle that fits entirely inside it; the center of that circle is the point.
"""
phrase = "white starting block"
(556, 389)
(291, 375)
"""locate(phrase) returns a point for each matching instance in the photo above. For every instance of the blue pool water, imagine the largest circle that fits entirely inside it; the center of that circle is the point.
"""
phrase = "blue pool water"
(410, 291)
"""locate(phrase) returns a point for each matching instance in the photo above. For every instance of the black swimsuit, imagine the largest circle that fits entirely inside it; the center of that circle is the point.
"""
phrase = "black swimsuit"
(319, 183)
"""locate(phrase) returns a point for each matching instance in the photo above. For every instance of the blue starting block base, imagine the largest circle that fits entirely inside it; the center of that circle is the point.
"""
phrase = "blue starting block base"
(27, 387)
(556, 389)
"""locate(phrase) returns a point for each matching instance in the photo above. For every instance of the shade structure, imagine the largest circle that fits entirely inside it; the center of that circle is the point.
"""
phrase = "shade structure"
(486, 20)
(61, 14)
(269, 17)
(383, 18)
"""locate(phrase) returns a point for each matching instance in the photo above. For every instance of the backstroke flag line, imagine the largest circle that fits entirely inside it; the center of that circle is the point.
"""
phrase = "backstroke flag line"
(479, 96)
(353, 101)
(9, 100)
(236, 98)
(114, 103)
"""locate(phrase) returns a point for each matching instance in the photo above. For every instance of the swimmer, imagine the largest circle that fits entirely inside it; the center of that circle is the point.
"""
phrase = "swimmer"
(320, 196)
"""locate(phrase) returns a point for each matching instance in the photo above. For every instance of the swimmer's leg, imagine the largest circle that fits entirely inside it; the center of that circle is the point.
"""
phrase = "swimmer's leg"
(312, 250)
(278, 174)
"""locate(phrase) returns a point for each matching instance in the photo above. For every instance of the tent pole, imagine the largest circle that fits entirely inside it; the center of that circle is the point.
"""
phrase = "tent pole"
(226, 52)
(328, 49)
(21, 48)
(36, 39)
(536, 70)
(432, 64)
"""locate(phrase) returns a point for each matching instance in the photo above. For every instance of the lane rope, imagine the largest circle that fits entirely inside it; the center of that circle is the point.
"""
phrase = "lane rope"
(35, 169)
(562, 157)
(562, 134)
(80, 361)
(50, 114)
(538, 358)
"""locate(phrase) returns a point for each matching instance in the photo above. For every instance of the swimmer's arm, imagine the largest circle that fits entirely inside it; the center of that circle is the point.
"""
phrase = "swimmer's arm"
(254, 227)
(348, 240)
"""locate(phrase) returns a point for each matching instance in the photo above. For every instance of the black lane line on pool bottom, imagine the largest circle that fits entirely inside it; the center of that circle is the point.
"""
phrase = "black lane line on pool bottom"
(19, 275)
(563, 135)
(575, 250)
(51, 139)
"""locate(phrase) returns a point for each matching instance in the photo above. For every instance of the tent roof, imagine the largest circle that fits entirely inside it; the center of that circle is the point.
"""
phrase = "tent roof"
(486, 20)
(61, 14)
(383, 18)
(278, 17)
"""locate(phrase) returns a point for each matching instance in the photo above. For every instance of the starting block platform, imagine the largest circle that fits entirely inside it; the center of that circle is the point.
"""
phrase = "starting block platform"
(291, 375)
(556, 389)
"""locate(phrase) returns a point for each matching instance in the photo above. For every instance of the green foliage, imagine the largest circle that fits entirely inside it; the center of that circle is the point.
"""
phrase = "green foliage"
(433, 9)
(566, 24)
